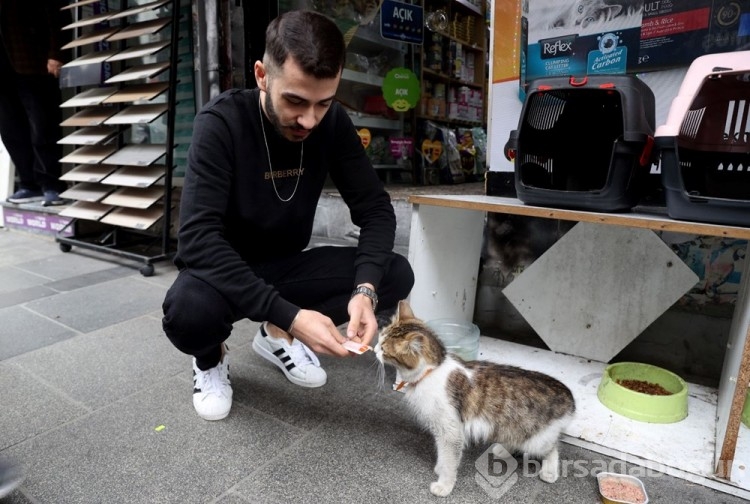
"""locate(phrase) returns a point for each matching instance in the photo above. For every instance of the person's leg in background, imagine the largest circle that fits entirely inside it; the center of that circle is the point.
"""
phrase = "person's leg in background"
(41, 98)
(16, 135)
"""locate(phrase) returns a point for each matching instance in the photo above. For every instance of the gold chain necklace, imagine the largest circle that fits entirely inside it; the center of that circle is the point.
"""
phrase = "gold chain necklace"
(270, 166)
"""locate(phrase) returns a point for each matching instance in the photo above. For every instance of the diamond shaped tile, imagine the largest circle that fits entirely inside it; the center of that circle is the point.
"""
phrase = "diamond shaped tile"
(598, 288)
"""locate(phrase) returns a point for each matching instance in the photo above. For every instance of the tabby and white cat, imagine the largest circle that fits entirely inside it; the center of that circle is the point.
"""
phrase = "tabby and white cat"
(465, 402)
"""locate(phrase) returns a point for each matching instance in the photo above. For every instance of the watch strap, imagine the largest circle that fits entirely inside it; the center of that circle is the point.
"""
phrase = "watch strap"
(362, 289)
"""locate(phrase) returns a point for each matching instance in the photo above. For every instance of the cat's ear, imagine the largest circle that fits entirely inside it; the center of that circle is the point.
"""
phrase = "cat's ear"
(404, 310)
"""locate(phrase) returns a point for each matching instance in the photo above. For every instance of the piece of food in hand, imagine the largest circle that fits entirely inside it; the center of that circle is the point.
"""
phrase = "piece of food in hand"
(357, 348)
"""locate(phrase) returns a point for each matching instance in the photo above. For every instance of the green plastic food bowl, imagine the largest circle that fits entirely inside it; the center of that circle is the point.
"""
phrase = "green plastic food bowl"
(746, 409)
(642, 406)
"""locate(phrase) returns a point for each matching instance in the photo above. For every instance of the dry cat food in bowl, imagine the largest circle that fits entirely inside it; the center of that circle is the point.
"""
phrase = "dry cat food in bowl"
(644, 392)
(621, 489)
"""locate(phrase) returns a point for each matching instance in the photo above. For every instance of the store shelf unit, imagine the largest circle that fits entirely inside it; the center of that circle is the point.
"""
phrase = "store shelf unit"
(125, 89)
(453, 68)
(369, 58)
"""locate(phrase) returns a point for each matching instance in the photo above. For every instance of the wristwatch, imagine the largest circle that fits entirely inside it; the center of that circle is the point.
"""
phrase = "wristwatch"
(369, 293)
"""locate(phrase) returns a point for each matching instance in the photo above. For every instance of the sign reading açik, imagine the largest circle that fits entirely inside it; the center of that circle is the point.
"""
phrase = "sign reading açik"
(401, 21)
(401, 89)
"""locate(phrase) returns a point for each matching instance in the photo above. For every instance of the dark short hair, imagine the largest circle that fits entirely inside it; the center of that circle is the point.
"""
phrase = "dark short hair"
(312, 39)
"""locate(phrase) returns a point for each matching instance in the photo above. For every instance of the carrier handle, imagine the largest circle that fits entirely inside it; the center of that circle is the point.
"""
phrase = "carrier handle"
(577, 83)
(511, 146)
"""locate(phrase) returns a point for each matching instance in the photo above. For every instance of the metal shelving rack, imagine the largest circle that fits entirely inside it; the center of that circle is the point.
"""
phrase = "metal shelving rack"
(146, 245)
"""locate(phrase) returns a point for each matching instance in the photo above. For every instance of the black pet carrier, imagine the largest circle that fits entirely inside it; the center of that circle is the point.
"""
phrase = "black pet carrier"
(705, 143)
(584, 143)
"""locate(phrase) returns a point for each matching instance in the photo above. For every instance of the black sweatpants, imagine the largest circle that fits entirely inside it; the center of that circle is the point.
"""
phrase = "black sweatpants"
(30, 119)
(197, 318)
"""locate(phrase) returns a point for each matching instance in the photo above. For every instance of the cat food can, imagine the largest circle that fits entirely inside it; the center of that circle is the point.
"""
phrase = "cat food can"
(621, 489)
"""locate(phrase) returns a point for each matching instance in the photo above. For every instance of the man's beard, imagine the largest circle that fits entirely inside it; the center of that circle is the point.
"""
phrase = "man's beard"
(273, 117)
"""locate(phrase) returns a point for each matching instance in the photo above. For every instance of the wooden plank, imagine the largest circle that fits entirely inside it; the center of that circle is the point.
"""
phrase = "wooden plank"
(86, 210)
(90, 135)
(133, 217)
(87, 192)
(92, 57)
(137, 9)
(88, 173)
(90, 20)
(139, 51)
(140, 29)
(138, 114)
(80, 3)
(137, 155)
(139, 72)
(90, 116)
(138, 92)
(91, 37)
(93, 96)
(89, 154)
(729, 445)
(132, 197)
(136, 176)
(640, 219)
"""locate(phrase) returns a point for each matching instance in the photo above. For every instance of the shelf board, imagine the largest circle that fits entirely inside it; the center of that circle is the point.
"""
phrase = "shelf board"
(388, 167)
(97, 18)
(451, 80)
(88, 173)
(81, 3)
(137, 155)
(374, 122)
(361, 77)
(138, 114)
(132, 197)
(91, 37)
(90, 116)
(139, 29)
(463, 122)
(133, 217)
(138, 9)
(89, 154)
(91, 58)
(86, 191)
(90, 135)
(93, 96)
(470, 6)
(136, 176)
(365, 36)
(139, 51)
(138, 92)
(87, 210)
(139, 72)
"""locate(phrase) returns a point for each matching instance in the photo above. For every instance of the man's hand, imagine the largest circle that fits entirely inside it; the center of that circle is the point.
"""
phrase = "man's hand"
(319, 333)
(53, 67)
(362, 325)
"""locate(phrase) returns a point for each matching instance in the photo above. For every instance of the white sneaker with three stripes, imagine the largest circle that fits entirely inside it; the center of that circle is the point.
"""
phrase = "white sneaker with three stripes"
(212, 390)
(299, 364)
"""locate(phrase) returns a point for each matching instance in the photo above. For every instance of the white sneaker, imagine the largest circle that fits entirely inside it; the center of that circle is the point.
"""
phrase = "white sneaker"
(212, 391)
(300, 365)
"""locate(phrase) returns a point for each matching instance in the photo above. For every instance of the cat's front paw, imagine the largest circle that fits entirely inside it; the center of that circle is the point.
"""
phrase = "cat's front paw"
(549, 474)
(441, 489)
